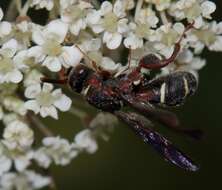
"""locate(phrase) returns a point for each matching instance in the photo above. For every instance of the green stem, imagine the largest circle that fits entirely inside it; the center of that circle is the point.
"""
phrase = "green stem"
(25, 8)
(78, 113)
(18, 5)
(11, 11)
(40, 126)
(96, 4)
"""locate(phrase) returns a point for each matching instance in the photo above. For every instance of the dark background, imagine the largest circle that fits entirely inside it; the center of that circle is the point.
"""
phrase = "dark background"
(125, 162)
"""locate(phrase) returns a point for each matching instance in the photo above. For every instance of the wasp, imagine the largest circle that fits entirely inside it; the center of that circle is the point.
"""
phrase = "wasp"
(135, 90)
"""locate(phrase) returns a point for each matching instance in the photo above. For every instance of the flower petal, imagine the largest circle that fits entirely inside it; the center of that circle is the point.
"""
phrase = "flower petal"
(106, 7)
(52, 63)
(86, 141)
(109, 65)
(208, 8)
(122, 26)
(133, 42)
(119, 9)
(71, 56)
(112, 40)
(38, 36)
(75, 28)
(5, 164)
(32, 91)
(16, 76)
(47, 87)
(32, 105)
(93, 17)
(5, 28)
(1, 14)
(49, 111)
(21, 163)
(37, 53)
(63, 103)
(11, 47)
(58, 29)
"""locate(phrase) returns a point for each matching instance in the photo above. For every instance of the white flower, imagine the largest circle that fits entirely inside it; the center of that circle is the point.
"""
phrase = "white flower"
(1, 14)
(6, 181)
(32, 77)
(75, 15)
(193, 10)
(167, 36)
(111, 20)
(42, 157)
(38, 181)
(57, 150)
(50, 51)
(5, 27)
(209, 35)
(45, 101)
(19, 159)
(21, 162)
(5, 164)
(98, 28)
(9, 71)
(186, 61)
(22, 30)
(86, 141)
(24, 61)
(102, 124)
(40, 4)
(109, 65)
(17, 135)
(93, 44)
(105, 63)
(15, 104)
(27, 180)
(160, 4)
(141, 29)
(208, 7)
(10, 117)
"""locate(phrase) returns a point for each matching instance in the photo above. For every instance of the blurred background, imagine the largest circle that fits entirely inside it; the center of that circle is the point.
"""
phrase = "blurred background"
(125, 162)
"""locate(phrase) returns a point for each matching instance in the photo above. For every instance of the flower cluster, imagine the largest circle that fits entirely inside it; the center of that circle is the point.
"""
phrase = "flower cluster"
(79, 31)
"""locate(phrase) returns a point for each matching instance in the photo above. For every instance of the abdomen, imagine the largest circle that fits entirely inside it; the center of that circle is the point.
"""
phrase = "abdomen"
(171, 90)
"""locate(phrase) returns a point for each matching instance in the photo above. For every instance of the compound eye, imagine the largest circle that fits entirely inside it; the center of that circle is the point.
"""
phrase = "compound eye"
(150, 59)
(77, 78)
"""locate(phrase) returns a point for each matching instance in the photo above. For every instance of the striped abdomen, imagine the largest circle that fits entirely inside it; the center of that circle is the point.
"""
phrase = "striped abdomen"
(172, 89)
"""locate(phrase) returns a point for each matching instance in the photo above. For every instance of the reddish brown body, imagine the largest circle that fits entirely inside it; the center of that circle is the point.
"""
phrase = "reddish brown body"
(138, 92)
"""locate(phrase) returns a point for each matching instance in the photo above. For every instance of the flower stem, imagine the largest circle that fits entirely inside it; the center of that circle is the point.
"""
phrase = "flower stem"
(11, 11)
(138, 8)
(164, 17)
(41, 127)
(78, 113)
(96, 4)
(25, 8)
(18, 5)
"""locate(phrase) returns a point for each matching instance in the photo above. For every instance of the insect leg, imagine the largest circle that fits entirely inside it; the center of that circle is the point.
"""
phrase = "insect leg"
(157, 141)
(162, 63)
(61, 80)
(54, 81)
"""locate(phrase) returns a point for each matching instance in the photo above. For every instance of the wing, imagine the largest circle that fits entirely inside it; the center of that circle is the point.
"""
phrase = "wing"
(158, 142)
(164, 117)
